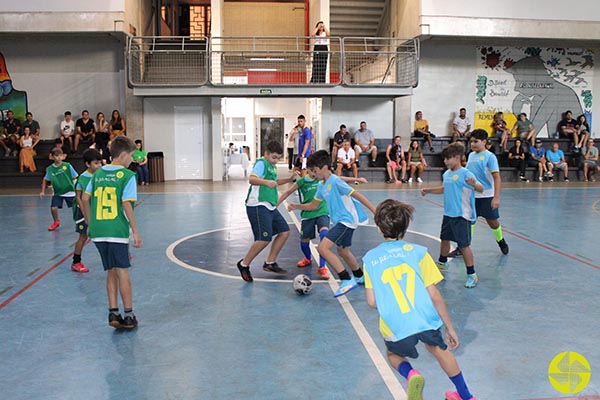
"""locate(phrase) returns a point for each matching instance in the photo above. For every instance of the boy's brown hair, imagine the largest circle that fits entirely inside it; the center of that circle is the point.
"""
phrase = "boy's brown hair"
(121, 144)
(453, 150)
(392, 217)
(57, 152)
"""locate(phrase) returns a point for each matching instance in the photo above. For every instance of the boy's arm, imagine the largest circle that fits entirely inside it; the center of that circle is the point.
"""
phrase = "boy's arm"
(128, 209)
(313, 205)
(497, 186)
(364, 201)
(78, 198)
(351, 179)
(291, 178)
(476, 185)
(85, 207)
(433, 190)
(371, 298)
(43, 192)
(442, 310)
(287, 193)
(387, 152)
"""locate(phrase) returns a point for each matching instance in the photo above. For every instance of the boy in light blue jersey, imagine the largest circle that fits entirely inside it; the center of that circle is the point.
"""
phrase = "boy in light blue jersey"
(459, 209)
(345, 213)
(400, 279)
(484, 165)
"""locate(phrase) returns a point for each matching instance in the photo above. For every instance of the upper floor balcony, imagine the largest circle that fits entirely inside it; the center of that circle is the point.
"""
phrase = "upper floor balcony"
(272, 66)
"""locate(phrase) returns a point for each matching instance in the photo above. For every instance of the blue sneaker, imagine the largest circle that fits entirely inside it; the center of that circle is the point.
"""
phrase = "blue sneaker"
(345, 287)
(442, 266)
(471, 281)
(361, 280)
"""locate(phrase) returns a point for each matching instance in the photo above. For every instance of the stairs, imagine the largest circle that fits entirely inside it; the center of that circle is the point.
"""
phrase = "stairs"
(356, 18)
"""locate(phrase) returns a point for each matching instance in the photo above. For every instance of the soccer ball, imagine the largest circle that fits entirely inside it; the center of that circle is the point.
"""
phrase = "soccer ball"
(302, 284)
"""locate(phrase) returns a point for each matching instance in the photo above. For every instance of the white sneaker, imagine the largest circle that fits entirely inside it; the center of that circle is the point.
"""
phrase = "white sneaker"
(409, 180)
(419, 180)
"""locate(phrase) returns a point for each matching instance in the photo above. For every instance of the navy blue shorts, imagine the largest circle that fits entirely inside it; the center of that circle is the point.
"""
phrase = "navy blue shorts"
(341, 235)
(456, 229)
(80, 225)
(407, 346)
(57, 201)
(483, 207)
(308, 226)
(266, 223)
(113, 255)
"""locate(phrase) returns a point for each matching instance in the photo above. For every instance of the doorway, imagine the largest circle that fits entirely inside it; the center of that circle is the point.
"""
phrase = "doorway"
(271, 128)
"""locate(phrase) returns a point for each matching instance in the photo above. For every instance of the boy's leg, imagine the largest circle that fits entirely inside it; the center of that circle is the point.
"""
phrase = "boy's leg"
(470, 264)
(54, 212)
(347, 256)
(329, 256)
(278, 243)
(253, 251)
(450, 366)
(112, 283)
(77, 265)
(125, 287)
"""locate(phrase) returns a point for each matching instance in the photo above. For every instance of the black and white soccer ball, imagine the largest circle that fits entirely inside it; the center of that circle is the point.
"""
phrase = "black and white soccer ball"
(302, 284)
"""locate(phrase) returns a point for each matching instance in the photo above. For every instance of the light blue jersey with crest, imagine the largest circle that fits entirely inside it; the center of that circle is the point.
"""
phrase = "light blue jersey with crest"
(342, 207)
(483, 165)
(459, 197)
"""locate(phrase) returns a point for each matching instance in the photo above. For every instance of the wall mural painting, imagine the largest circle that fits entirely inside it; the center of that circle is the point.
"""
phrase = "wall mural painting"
(542, 82)
(10, 99)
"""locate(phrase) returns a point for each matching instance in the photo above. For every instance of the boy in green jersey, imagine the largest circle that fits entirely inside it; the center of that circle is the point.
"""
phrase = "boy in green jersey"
(108, 209)
(61, 175)
(93, 161)
(261, 208)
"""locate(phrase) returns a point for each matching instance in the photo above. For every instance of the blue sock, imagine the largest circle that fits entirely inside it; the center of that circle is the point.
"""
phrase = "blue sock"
(404, 368)
(322, 235)
(461, 386)
(305, 246)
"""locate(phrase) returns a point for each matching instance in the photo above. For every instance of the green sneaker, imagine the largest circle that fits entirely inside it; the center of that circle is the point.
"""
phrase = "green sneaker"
(471, 281)
(442, 266)
(416, 382)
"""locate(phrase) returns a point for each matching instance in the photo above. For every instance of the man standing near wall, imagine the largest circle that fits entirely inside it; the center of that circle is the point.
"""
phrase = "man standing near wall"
(364, 141)
(461, 126)
(304, 144)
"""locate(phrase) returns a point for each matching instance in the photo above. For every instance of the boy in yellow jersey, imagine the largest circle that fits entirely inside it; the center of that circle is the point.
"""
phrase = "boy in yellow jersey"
(108, 209)
(93, 161)
(400, 279)
(261, 208)
(61, 175)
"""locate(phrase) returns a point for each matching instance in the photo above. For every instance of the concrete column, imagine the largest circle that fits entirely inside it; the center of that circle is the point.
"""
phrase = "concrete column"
(216, 128)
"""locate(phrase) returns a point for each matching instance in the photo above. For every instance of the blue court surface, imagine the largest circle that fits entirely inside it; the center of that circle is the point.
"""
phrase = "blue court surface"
(206, 334)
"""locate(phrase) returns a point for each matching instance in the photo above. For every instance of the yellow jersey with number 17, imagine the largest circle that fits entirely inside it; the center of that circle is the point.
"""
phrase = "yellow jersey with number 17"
(110, 186)
(399, 274)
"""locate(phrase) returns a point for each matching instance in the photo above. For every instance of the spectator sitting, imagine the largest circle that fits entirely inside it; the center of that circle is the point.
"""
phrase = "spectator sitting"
(102, 137)
(140, 158)
(525, 129)
(416, 161)
(461, 126)
(556, 159)
(489, 146)
(116, 126)
(501, 130)
(583, 132)
(567, 127)
(347, 160)
(58, 144)
(395, 160)
(537, 159)
(27, 143)
(338, 141)
(421, 129)
(85, 129)
(67, 131)
(590, 161)
(34, 126)
(364, 141)
(517, 158)
(10, 135)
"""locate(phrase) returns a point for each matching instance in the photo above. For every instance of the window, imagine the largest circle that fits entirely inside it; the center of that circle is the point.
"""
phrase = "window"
(235, 129)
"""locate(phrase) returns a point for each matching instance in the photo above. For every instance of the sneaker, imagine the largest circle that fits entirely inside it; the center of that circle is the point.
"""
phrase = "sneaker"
(115, 320)
(373, 163)
(550, 179)
(442, 266)
(540, 179)
(471, 281)
(129, 322)
(503, 246)
(456, 396)
(356, 182)
(305, 262)
(345, 287)
(416, 382)
(7, 153)
(323, 272)
(274, 268)
(409, 180)
(523, 179)
(79, 267)
(389, 181)
(419, 180)
(360, 281)
(455, 253)
(54, 225)
(244, 272)
(566, 179)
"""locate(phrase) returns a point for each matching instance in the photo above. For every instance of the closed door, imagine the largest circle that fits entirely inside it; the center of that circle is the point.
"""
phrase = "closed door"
(189, 154)
(271, 128)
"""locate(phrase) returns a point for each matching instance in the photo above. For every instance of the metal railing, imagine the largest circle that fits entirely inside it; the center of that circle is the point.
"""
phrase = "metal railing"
(273, 61)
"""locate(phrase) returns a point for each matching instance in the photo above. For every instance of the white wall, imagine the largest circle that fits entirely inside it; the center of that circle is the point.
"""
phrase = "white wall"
(62, 5)
(159, 131)
(377, 112)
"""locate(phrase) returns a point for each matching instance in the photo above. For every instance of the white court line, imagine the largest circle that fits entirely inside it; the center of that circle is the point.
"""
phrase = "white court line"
(385, 370)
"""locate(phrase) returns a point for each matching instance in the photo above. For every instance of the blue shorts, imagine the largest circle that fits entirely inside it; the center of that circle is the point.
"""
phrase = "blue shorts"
(307, 230)
(456, 229)
(113, 255)
(266, 223)
(57, 201)
(341, 235)
(483, 207)
(407, 346)
(80, 225)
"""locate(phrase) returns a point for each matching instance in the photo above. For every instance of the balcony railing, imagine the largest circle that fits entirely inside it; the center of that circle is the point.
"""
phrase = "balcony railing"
(273, 61)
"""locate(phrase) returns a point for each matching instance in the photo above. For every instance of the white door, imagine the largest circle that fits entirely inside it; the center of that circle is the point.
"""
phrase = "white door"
(189, 142)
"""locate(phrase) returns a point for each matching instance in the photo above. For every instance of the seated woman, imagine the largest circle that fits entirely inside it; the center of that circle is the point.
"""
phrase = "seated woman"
(517, 158)
(395, 156)
(582, 132)
(27, 143)
(421, 129)
(416, 161)
(501, 130)
(525, 129)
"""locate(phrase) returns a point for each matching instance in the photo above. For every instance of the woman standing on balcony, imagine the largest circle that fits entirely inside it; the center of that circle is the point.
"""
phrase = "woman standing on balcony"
(319, 67)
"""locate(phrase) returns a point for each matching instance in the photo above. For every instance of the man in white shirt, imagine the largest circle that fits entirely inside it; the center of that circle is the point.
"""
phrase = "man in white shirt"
(347, 160)
(67, 130)
(364, 141)
(461, 126)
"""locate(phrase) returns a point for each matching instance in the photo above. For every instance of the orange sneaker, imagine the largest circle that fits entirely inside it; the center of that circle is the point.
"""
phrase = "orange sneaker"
(323, 272)
(54, 225)
(79, 267)
(305, 262)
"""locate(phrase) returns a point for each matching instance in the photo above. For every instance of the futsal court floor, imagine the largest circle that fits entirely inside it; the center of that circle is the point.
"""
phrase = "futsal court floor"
(206, 334)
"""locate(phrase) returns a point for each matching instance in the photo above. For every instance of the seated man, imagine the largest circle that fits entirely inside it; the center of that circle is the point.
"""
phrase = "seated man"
(11, 134)
(364, 141)
(85, 129)
(395, 160)
(347, 160)
(556, 159)
(34, 126)
(567, 127)
(590, 161)
(537, 159)
(461, 126)
(67, 131)
(338, 141)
